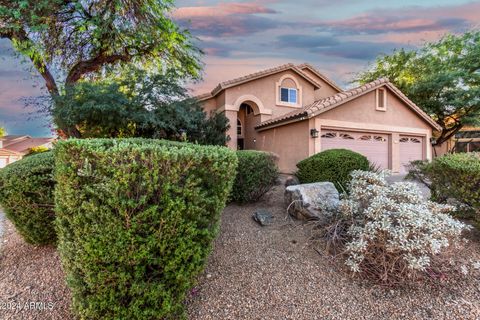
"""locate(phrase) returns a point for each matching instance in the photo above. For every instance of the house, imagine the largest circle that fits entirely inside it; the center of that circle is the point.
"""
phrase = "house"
(295, 111)
(13, 148)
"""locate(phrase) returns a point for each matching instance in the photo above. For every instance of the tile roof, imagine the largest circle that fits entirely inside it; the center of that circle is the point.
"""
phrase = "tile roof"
(253, 76)
(22, 144)
(320, 75)
(340, 98)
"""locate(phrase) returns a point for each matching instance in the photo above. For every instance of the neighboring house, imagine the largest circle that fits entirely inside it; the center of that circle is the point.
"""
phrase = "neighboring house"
(13, 148)
(295, 112)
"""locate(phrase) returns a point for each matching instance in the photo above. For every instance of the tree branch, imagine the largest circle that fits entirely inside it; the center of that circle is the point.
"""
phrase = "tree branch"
(94, 64)
(22, 37)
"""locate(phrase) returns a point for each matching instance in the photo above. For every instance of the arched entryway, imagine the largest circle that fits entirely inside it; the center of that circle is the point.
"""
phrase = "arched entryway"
(248, 118)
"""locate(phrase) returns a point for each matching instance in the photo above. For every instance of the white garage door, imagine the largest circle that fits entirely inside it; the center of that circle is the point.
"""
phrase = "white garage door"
(374, 146)
(411, 148)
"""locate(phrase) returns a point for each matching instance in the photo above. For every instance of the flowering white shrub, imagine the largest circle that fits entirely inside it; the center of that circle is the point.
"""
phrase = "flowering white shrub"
(394, 233)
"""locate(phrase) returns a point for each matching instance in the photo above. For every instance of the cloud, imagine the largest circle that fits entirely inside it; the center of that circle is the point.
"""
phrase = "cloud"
(306, 41)
(360, 50)
(407, 20)
(226, 19)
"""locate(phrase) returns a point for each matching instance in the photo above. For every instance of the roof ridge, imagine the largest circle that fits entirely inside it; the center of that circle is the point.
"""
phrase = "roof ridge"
(320, 75)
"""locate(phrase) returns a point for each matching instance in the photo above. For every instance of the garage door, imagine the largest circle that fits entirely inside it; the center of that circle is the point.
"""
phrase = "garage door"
(374, 146)
(411, 148)
(3, 162)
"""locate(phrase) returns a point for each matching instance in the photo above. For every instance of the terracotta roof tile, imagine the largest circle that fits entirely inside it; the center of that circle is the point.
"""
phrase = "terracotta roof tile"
(322, 105)
(230, 83)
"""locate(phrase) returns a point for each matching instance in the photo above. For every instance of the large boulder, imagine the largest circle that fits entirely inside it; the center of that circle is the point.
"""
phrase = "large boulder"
(311, 201)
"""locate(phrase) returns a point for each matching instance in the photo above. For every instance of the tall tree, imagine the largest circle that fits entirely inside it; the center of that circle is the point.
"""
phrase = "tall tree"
(78, 39)
(140, 105)
(442, 78)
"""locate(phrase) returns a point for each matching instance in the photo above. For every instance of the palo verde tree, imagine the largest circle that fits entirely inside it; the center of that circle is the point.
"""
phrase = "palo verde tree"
(79, 39)
(442, 78)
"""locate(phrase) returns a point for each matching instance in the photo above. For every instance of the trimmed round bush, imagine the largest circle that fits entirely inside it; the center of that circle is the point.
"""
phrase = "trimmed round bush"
(136, 219)
(333, 165)
(26, 195)
(456, 176)
(257, 172)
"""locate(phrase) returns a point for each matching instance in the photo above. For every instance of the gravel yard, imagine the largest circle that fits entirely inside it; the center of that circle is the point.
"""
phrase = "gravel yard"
(253, 273)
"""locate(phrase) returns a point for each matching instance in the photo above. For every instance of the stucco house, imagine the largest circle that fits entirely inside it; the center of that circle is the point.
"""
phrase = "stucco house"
(295, 112)
(13, 148)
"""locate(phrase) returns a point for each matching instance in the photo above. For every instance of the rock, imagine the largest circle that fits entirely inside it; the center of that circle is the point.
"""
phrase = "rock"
(311, 201)
(263, 217)
(291, 181)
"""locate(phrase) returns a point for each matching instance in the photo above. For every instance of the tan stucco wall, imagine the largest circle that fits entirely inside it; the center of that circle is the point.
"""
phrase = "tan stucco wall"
(289, 142)
(265, 90)
(361, 115)
(326, 90)
(363, 110)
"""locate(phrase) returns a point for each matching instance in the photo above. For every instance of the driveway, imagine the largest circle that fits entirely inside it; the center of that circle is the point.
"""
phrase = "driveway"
(401, 177)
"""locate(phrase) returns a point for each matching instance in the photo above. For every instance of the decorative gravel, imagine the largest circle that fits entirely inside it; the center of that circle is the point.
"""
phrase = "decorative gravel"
(32, 284)
(271, 272)
(254, 272)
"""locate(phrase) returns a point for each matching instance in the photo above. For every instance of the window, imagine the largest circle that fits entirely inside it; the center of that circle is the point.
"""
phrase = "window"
(329, 135)
(239, 127)
(381, 99)
(379, 138)
(365, 138)
(346, 136)
(288, 95)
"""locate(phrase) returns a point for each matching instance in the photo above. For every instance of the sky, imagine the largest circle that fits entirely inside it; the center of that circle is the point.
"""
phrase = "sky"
(339, 37)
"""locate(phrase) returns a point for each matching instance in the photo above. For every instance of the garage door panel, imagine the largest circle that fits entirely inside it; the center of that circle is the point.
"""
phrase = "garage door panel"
(373, 146)
(411, 149)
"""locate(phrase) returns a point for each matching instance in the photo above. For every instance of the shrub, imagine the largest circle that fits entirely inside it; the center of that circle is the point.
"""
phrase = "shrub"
(333, 165)
(257, 172)
(135, 222)
(453, 176)
(392, 233)
(26, 194)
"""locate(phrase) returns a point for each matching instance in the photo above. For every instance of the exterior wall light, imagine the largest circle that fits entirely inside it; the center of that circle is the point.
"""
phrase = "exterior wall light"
(433, 141)
(314, 133)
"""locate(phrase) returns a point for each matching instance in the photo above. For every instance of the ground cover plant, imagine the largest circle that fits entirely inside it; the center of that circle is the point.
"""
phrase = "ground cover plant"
(389, 233)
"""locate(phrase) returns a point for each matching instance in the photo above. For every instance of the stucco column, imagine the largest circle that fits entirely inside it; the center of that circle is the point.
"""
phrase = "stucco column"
(395, 152)
(429, 148)
(314, 144)
(232, 132)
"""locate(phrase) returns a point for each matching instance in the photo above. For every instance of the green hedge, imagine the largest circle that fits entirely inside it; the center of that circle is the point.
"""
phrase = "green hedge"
(332, 165)
(135, 222)
(457, 176)
(26, 195)
(257, 172)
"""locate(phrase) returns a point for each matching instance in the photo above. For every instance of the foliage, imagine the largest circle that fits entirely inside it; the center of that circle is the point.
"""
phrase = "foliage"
(3, 132)
(35, 150)
(333, 165)
(454, 176)
(83, 39)
(442, 78)
(135, 222)
(139, 105)
(391, 234)
(26, 195)
(257, 172)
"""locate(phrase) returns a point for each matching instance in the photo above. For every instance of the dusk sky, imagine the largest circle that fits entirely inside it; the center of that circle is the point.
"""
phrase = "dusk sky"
(338, 37)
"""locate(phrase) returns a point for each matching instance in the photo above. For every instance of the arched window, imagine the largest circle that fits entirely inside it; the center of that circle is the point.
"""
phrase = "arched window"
(415, 140)
(329, 135)
(346, 136)
(289, 91)
(239, 127)
(365, 138)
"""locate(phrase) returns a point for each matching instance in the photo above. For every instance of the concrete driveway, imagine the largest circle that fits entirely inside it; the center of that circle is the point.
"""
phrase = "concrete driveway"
(401, 177)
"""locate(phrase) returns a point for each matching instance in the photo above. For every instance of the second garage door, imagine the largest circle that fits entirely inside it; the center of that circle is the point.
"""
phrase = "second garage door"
(411, 148)
(374, 146)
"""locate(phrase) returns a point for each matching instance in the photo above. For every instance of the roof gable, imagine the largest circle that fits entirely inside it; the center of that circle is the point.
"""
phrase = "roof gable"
(257, 75)
(323, 105)
(304, 66)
